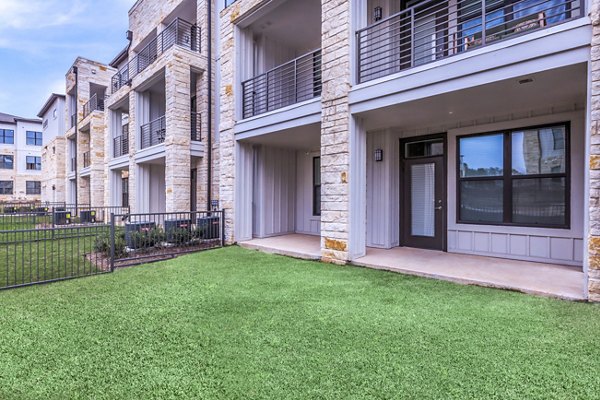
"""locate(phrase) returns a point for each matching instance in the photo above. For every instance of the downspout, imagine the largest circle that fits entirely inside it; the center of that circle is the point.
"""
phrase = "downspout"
(76, 137)
(210, 105)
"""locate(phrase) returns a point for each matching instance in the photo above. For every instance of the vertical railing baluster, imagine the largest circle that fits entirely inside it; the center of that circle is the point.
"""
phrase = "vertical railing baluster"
(483, 23)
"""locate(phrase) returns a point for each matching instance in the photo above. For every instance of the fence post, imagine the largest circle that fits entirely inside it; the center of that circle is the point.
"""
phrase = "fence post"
(112, 242)
(223, 227)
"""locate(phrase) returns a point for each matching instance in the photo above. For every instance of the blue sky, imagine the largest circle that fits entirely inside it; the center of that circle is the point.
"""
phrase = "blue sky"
(40, 39)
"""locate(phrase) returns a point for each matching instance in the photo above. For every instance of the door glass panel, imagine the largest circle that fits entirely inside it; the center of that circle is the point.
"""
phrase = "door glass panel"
(426, 148)
(422, 184)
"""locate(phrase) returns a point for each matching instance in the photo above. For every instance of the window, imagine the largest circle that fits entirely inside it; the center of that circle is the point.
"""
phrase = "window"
(227, 3)
(34, 138)
(34, 163)
(517, 177)
(6, 187)
(33, 187)
(316, 185)
(6, 161)
(7, 136)
(54, 114)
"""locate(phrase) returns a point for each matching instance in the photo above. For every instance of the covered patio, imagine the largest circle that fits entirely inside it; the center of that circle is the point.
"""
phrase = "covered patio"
(551, 280)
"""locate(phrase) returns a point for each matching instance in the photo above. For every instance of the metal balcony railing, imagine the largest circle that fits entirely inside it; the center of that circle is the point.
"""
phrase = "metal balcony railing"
(73, 119)
(196, 127)
(432, 30)
(153, 132)
(73, 164)
(121, 143)
(179, 32)
(95, 103)
(87, 161)
(295, 81)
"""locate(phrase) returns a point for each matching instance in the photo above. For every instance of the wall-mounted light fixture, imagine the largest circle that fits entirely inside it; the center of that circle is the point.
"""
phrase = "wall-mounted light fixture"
(379, 155)
(377, 13)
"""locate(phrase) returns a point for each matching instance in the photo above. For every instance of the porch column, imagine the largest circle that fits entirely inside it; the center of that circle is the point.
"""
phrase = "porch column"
(98, 127)
(134, 137)
(244, 171)
(593, 110)
(335, 132)
(178, 136)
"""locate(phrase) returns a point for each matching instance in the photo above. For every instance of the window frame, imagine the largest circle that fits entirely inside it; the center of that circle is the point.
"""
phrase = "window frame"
(507, 177)
(3, 163)
(3, 136)
(3, 189)
(316, 186)
(37, 187)
(35, 163)
(35, 138)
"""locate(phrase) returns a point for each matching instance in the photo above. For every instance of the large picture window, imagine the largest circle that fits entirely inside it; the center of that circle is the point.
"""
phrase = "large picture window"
(516, 177)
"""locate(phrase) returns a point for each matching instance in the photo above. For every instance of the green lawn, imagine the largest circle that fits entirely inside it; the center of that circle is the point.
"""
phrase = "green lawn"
(237, 324)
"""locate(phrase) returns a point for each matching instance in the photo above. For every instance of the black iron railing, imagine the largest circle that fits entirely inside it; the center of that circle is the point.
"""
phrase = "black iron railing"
(196, 127)
(73, 119)
(153, 132)
(432, 30)
(95, 103)
(179, 32)
(293, 82)
(87, 160)
(121, 143)
(73, 164)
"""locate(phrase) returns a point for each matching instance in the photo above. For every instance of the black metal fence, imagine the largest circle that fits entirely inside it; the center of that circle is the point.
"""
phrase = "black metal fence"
(432, 30)
(196, 127)
(293, 82)
(67, 241)
(179, 32)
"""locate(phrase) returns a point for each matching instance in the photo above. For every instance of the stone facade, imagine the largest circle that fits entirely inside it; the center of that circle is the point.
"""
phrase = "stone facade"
(594, 228)
(54, 176)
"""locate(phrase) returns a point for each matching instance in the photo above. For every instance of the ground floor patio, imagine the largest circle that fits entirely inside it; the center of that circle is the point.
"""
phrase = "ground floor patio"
(552, 280)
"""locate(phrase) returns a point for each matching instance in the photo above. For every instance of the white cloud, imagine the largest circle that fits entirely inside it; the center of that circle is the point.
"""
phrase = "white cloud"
(38, 14)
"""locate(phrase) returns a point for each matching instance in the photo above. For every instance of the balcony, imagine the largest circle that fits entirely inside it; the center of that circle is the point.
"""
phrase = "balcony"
(121, 143)
(73, 119)
(73, 164)
(153, 132)
(87, 161)
(179, 32)
(290, 83)
(433, 30)
(95, 103)
(196, 127)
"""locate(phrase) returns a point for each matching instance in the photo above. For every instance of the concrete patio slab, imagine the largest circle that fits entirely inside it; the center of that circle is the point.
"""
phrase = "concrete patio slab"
(528, 277)
(307, 247)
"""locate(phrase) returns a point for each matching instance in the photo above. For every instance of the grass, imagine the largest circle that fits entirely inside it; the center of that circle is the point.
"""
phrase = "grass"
(237, 324)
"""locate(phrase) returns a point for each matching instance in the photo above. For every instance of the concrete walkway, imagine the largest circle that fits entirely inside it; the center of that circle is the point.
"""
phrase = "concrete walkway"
(528, 277)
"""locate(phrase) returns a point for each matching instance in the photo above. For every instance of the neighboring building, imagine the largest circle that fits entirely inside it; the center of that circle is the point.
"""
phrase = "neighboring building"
(157, 114)
(21, 141)
(87, 86)
(53, 184)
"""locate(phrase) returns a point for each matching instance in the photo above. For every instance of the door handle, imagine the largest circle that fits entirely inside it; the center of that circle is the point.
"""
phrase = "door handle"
(439, 208)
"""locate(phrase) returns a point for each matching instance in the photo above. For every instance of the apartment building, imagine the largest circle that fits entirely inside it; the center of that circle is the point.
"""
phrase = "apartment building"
(21, 141)
(381, 132)
(53, 180)
(158, 150)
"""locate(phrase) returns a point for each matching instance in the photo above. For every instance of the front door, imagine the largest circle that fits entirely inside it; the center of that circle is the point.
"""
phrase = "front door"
(424, 193)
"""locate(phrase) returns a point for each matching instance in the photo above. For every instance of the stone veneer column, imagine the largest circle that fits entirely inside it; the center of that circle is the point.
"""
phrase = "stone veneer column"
(98, 171)
(133, 139)
(335, 131)
(178, 137)
(594, 211)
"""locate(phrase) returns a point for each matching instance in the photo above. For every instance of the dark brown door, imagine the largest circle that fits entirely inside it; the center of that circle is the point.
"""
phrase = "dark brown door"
(424, 200)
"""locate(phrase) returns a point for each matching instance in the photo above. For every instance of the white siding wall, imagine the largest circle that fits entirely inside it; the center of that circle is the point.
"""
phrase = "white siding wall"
(306, 222)
(274, 192)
